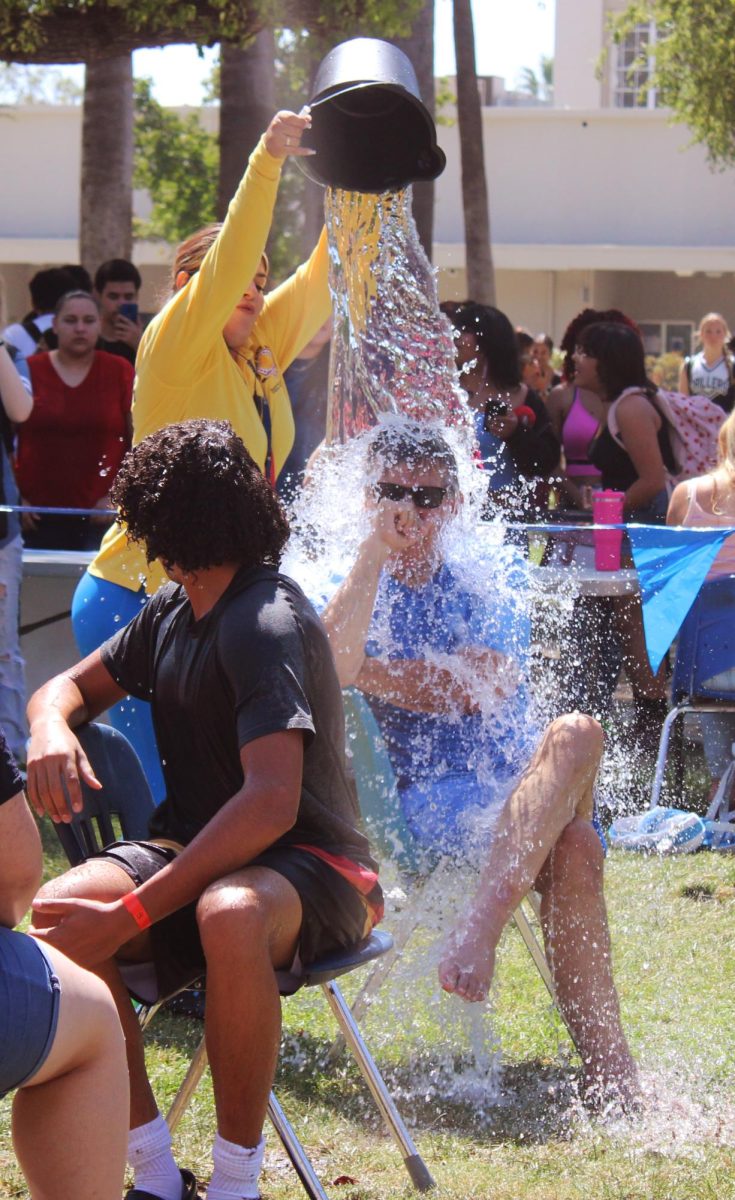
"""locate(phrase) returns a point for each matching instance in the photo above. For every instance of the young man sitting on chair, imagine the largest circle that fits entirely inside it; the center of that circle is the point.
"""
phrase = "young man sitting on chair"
(256, 863)
(436, 665)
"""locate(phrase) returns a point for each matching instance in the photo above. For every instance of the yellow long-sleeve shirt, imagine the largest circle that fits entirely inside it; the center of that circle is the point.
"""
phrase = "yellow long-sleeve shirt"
(184, 368)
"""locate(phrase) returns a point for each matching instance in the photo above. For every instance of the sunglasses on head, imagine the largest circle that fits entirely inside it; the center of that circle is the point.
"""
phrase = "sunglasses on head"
(422, 497)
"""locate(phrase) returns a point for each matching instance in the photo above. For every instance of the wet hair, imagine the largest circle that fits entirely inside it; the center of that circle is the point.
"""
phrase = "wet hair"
(496, 341)
(195, 498)
(116, 270)
(621, 359)
(412, 446)
(190, 253)
(77, 294)
(48, 286)
(588, 316)
(80, 275)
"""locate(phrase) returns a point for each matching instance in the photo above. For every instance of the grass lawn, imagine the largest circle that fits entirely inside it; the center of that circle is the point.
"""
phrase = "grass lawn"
(508, 1125)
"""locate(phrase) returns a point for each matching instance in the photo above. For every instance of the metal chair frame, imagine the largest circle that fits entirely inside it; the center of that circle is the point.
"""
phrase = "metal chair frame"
(93, 827)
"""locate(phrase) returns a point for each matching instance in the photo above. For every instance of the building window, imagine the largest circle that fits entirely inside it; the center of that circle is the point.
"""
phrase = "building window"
(633, 67)
(667, 337)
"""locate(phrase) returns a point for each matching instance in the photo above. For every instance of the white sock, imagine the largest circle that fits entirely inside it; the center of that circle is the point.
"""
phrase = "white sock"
(236, 1170)
(149, 1154)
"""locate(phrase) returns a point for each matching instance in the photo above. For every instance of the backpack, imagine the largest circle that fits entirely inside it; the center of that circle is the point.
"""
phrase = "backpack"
(693, 424)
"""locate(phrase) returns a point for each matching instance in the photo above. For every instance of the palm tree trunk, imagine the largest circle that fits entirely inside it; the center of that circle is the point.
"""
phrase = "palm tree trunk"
(247, 103)
(478, 255)
(419, 47)
(106, 205)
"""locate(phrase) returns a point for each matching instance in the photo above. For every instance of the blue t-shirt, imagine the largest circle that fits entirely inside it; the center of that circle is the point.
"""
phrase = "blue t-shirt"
(442, 618)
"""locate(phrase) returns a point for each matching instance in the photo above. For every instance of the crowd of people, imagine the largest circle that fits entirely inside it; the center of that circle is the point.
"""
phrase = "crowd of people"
(219, 672)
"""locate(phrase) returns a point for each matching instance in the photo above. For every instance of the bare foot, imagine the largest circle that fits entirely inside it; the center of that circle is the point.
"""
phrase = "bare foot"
(613, 1091)
(467, 964)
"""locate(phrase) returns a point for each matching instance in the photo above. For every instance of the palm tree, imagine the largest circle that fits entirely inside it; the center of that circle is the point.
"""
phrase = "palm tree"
(419, 46)
(478, 255)
(247, 103)
(105, 226)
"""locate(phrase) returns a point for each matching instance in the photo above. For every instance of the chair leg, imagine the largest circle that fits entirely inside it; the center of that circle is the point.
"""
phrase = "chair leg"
(295, 1151)
(415, 1165)
(188, 1086)
(523, 925)
(401, 932)
(663, 749)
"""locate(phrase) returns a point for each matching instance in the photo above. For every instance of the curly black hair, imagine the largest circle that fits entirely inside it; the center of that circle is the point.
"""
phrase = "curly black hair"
(195, 498)
(573, 332)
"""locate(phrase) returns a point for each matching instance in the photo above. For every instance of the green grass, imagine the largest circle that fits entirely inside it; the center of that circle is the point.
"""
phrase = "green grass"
(520, 1133)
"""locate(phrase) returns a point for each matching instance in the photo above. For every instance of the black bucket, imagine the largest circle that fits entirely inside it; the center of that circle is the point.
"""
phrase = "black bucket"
(369, 127)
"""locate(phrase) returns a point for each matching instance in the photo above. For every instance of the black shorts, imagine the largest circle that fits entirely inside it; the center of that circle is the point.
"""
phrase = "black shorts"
(335, 915)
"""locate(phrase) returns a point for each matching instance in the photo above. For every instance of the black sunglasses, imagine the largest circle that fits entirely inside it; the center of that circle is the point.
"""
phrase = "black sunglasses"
(423, 497)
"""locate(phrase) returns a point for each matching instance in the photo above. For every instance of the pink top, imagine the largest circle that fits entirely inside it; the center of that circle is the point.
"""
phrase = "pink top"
(695, 516)
(577, 432)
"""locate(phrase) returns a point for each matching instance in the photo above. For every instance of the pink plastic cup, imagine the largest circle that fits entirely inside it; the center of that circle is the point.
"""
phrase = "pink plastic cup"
(607, 509)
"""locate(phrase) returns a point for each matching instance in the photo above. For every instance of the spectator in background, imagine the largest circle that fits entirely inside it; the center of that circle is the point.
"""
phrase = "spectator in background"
(530, 369)
(518, 447)
(46, 288)
(15, 407)
(543, 347)
(307, 380)
(710, 500)
(71, 447)
(61, 1044)
(710, 371)
(116, 286)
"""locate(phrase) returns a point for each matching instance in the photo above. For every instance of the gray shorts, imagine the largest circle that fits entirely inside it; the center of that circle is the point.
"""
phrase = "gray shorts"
(334, 914)
(29, 1008)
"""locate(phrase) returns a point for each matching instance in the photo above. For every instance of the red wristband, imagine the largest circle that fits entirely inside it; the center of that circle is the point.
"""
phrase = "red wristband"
(136, 910)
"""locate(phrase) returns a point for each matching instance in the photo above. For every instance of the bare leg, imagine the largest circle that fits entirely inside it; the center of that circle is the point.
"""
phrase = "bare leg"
(99, 880)
(629, 628)
(249, 924)
(79, 1093)
(556, 787)
(577, 942)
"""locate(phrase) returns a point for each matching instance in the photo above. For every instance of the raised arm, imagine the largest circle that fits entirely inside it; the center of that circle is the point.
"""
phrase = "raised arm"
(191, 323)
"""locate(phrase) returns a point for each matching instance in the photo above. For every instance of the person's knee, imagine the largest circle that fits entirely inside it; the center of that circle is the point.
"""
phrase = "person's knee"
(579, 738)
(94, 880)
(228, 915)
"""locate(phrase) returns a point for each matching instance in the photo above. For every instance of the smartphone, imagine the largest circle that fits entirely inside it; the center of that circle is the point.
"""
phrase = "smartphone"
(493, 410)
(130, 310)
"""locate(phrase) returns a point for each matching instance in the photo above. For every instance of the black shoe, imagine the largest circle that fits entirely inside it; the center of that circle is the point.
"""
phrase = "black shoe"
(188, 1189)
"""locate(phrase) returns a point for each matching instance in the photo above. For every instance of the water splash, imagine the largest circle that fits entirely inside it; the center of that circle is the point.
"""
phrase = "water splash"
(392, 350)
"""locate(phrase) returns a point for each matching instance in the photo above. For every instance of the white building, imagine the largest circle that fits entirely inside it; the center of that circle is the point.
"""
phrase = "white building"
(597, 200)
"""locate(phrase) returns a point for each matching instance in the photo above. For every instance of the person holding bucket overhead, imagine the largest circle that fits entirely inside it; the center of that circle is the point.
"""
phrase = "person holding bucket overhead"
(217, 349)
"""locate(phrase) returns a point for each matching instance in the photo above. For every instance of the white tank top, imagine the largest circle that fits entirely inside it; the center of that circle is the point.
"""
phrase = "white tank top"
(709, 381)
(696, 516)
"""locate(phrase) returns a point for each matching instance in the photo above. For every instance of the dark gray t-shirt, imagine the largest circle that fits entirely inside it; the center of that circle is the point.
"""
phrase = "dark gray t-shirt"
(257, 663)
(10, 780)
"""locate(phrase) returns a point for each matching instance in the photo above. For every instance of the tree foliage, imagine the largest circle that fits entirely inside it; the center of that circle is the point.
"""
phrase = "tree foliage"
(59, 31)
(37, 85)
(176, 162)
(693, 66)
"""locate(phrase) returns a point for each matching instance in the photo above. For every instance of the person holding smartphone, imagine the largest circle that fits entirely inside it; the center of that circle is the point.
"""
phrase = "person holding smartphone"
(517, 444)
(116, 287)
